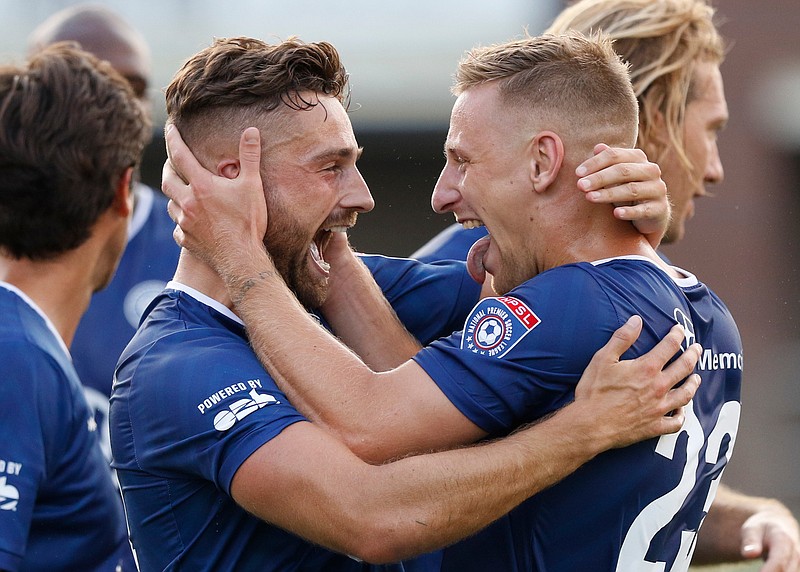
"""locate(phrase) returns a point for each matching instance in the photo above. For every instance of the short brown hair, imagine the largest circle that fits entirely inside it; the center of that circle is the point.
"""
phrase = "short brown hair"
(576, 79)
(69, 127)
(661, 40)
(237, 79)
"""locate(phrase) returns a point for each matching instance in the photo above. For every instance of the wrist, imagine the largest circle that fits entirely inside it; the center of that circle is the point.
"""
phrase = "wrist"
(243, 273)
(577, 422)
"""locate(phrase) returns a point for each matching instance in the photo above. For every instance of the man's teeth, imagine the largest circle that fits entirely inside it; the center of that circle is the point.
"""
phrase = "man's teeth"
(318, 257)
(337, 229)
(472, 223)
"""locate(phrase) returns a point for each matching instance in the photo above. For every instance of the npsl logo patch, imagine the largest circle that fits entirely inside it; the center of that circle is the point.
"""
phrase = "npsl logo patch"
(496, 325)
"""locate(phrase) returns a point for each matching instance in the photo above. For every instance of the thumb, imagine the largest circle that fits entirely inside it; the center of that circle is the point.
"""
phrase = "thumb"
(751, 542)
(250, 152)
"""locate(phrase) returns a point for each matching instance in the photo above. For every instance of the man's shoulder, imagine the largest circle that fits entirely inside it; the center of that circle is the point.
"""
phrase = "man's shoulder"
(185, 329)
(560, 280)
(26, 340)
(182, 339)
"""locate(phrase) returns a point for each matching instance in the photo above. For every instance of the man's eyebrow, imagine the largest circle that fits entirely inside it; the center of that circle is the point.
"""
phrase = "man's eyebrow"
(450, 148)
(333, 154)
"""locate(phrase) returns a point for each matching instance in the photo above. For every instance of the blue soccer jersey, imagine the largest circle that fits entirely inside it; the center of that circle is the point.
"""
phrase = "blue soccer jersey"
(453, 243)
(190, 404)
(520, 357)
(59, 508)
(109, 323)
(431, 300)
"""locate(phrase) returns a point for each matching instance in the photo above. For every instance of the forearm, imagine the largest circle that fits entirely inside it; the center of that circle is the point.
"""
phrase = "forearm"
(362, 318)
(326, 382)
(422, 503)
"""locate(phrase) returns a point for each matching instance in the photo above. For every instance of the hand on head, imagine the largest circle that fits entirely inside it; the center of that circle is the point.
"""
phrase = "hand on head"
(217, 218)
(626, 179)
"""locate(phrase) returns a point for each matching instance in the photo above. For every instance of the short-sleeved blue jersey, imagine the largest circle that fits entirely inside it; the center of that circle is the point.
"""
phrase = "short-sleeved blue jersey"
(109, 323)
(453, 243)
(190, 404)
(520, 357)
(59, 508)
(431, 300)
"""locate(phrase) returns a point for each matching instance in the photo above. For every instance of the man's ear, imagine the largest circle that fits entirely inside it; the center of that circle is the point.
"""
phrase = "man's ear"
(123, 194)
(547, 155)
(228, 168)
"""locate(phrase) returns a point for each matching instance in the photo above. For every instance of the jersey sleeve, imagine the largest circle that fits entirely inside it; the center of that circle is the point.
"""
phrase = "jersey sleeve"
(431, 299)
(204, 412)
(32, 407)
(520, 356)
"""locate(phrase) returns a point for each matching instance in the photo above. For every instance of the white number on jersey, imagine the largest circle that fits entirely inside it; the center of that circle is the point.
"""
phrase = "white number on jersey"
(662, 511)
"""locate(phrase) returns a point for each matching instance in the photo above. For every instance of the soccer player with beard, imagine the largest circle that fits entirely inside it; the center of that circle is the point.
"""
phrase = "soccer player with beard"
(569, 274)
(218, 470)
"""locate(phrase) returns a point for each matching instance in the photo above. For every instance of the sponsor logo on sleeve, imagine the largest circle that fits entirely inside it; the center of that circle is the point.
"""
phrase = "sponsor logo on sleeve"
(9, 494)
(496, 325)
(241, 407)
(688, 328)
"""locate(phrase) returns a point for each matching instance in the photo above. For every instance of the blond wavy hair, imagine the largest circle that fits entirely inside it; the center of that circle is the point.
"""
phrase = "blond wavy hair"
(662, 41)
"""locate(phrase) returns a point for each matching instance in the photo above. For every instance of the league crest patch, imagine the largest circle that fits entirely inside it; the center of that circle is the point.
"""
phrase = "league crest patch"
(496, 325)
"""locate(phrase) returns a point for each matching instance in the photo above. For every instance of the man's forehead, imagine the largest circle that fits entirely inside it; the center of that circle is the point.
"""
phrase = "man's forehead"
(709, 93)
(474, 114)
(323, 128)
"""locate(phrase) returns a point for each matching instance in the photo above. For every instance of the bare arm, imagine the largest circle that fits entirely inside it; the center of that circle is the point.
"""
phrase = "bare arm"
(742, 527)
(359, 313)
(309, 483)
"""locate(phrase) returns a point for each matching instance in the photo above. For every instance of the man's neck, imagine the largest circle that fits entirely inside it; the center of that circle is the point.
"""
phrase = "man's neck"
(61, 288)
(592, 236)
(196, 274)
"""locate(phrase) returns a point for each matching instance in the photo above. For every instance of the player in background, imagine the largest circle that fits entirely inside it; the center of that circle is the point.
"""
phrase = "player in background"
(151, 254)
(71, 137)
(570, 274)
(675, 52)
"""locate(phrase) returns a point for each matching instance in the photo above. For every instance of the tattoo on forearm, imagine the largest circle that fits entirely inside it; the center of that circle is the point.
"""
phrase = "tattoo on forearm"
(248, 283)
